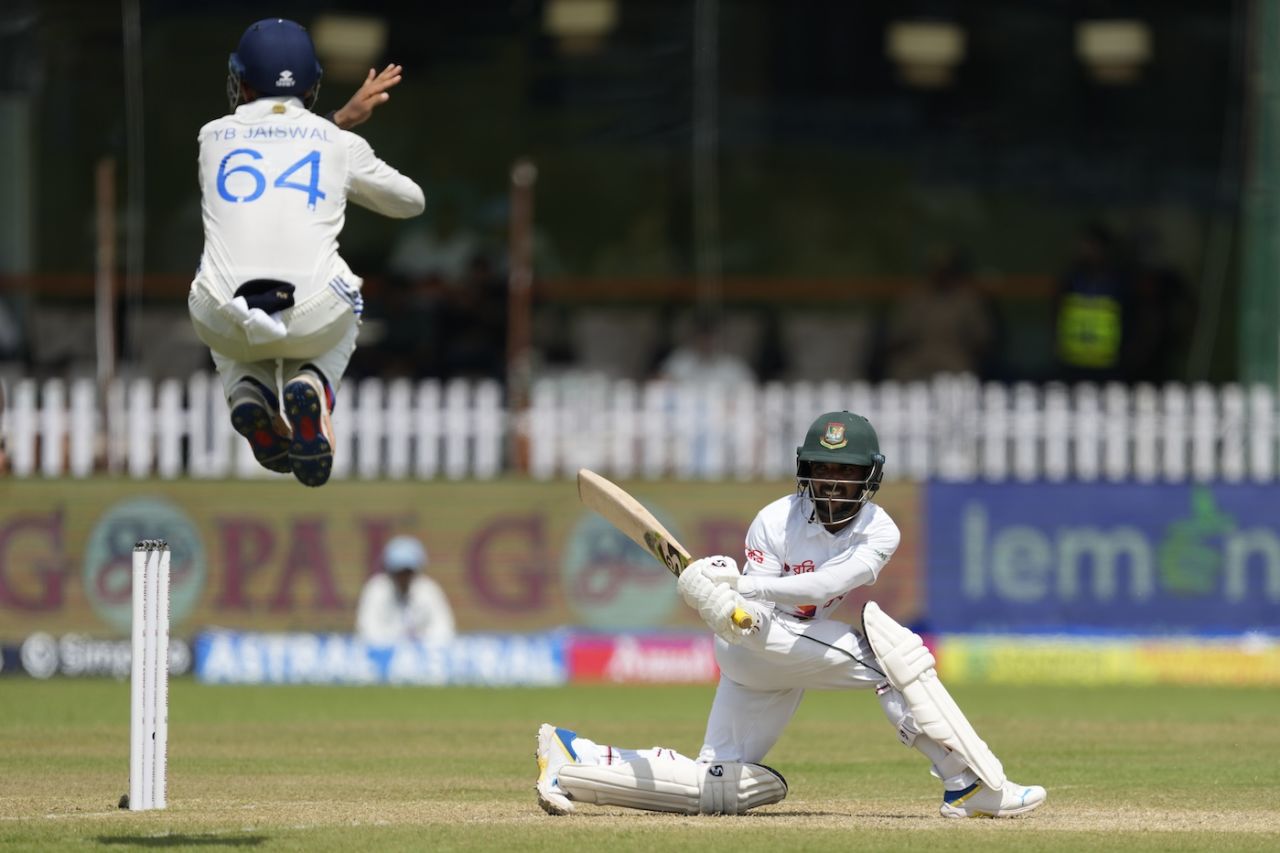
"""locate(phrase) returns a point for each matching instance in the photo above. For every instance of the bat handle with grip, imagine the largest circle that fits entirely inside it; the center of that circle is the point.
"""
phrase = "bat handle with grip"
(742, 618)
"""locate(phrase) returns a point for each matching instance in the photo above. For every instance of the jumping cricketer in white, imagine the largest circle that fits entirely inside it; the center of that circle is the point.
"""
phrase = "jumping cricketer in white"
(271, 291)
(804, 554)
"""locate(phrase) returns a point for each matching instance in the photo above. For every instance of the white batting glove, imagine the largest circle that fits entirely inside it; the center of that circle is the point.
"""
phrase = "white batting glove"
(717, 612)
(694, 587)
(715, 603)
(718, 569)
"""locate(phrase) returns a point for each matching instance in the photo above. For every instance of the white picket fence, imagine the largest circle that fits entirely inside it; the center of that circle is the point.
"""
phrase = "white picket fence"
(172, 429)
(953, 428)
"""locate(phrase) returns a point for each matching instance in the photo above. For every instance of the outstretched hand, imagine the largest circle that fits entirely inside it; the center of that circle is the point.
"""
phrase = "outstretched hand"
(370, 94)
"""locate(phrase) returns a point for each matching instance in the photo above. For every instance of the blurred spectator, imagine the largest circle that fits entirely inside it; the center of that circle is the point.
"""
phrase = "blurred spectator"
(447, 318)
(440, 250)
(1163, 316)
(400, 602)
(4, 426)
(1092, 308)
(474, 333)
(12, 345)
(644, 251)
(412, 315)
(553, 350)
(945, 324)
(825, 344)
(701, 359)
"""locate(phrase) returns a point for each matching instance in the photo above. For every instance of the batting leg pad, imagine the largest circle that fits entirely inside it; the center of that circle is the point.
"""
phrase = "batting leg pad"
(911, 668)
(724, 788)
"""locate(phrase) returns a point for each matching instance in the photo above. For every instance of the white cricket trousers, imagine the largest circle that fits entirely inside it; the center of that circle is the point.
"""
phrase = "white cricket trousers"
(322, 332)
(763, 679)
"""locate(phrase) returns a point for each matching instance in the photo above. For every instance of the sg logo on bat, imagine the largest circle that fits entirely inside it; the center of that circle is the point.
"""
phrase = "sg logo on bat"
(665, 552)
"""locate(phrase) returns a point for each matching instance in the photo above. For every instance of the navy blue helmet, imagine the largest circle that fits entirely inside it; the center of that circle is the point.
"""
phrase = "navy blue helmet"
(275, 57)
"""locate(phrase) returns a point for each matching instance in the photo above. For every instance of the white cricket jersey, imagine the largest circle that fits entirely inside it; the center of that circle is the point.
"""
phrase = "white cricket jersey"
(382, 619)
(275, 179)
(806, 570)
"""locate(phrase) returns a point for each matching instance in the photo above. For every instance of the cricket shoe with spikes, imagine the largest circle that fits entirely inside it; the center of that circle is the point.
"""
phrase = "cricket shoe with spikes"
(978, 800)
(306, 405)
(255, 415)
(555, 750)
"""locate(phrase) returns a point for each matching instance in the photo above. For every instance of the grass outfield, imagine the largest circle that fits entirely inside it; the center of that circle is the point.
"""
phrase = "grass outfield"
(314, 768)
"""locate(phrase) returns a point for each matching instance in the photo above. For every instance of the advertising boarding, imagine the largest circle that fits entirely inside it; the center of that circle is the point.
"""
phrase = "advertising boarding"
(1103, 558)
(515, 556)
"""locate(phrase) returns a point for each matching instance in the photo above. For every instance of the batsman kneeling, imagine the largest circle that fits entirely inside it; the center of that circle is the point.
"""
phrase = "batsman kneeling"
(804, 553)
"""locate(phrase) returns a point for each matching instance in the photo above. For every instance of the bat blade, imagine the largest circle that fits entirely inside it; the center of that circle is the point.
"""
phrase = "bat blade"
(639, 525)
(631, 518)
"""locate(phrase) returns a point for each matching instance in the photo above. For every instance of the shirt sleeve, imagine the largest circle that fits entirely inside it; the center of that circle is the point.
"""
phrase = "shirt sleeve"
(763, 559)
(857, 566)
(374, 185)
(372, 623)
(434, 615)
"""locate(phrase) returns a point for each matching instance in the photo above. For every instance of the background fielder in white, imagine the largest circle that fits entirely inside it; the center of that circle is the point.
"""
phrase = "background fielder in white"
(402, 603)
(804, 554)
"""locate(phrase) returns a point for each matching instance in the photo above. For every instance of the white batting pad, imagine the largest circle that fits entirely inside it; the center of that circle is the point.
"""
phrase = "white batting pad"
(910, 668)
(731, 787)
(683, 787)
(662, 786)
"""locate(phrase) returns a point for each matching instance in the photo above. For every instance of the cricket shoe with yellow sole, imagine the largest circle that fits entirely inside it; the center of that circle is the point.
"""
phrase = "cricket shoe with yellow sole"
(978, 800)
(555, 750)
(306, 405)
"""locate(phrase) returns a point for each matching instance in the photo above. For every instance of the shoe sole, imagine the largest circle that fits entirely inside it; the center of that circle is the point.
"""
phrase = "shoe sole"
(546, 734)
(1018, 812)
(549, 807)
(310, 453)
(270, 449)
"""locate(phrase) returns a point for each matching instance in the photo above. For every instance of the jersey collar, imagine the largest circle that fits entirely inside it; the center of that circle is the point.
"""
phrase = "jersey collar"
(262, 107)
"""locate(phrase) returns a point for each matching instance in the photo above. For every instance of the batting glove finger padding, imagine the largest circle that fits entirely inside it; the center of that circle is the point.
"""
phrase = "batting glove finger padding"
(694, 587)
(715, 603)
(717, 612)
(718, 569)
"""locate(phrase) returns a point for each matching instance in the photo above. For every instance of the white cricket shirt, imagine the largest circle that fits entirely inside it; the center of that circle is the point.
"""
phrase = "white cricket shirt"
(275, 179)
(382, 619)
(806, 570)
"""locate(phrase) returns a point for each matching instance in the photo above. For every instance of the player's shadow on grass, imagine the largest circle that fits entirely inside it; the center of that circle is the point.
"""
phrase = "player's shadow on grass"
(821, 813)
(754, 815)
(183, 840)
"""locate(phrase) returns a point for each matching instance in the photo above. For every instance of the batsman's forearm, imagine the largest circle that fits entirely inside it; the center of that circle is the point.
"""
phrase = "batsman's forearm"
(807, 588)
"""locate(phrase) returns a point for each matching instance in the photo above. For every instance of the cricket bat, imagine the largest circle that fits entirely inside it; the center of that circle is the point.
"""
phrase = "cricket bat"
(638, 524)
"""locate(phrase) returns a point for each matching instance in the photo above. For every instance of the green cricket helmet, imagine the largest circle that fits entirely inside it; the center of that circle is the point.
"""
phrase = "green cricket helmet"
(839, 438)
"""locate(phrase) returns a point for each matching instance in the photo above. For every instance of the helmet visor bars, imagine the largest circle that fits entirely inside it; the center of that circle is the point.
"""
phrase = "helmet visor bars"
(234, 70)
(837, 499)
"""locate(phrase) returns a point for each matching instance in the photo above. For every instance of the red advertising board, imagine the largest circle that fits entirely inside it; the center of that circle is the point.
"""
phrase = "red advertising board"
(642, 659)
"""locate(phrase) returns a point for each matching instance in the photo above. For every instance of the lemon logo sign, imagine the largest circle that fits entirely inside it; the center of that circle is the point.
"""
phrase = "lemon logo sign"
(611, 582)
(1191, 554)
(108, 559)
